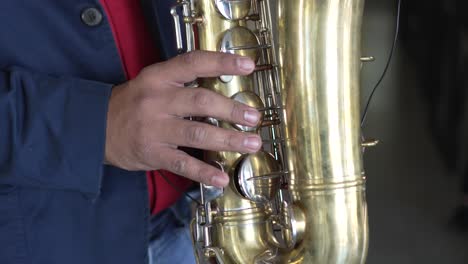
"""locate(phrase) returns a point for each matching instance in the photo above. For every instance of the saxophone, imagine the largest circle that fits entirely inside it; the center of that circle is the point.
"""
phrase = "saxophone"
(301, 199)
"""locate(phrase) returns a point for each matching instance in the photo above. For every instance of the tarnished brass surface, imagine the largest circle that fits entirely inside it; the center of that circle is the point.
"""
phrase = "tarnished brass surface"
(321, 215)
(239, 225)
(319, 54)
(210, 34)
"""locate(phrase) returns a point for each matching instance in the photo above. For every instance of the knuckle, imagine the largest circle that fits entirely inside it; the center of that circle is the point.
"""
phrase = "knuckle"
(228, 141)
(146, 72)
(196, 135)
(236, 111)
(191, 58)
(179, 165)
(143, 104)
(141, 145)
(149, 75)
(225, 60)
(143, 100)
(200, 98)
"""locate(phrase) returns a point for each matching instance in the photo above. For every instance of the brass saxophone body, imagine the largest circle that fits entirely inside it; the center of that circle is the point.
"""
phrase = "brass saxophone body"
(302, 198)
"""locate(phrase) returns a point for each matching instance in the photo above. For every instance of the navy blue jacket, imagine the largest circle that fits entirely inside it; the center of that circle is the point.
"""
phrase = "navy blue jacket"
(58, 203)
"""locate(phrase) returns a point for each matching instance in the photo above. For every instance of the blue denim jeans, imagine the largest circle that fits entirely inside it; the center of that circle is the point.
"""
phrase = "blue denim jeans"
(170, 235)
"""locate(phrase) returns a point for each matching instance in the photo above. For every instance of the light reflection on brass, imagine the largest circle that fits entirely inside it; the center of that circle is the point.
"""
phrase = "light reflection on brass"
(322, 216)
(319, 50)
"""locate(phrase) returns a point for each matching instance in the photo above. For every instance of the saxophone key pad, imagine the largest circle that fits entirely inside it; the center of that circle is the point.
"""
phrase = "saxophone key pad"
(241, 41)
(257, 177)
(233, 9)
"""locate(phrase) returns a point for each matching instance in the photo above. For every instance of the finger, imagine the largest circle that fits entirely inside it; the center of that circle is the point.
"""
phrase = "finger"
(206, 103)
(186, 133)
(197, 64)
(182, 164)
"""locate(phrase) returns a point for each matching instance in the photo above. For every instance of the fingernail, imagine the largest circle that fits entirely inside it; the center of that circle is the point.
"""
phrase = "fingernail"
(220, 181)
(252, 143)
(245, 64)
(252, 116)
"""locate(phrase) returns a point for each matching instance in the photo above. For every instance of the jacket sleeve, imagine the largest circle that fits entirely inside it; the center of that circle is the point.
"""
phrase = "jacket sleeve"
(52, 131)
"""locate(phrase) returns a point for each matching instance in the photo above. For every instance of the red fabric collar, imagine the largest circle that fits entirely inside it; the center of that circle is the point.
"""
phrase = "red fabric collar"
(131, 35)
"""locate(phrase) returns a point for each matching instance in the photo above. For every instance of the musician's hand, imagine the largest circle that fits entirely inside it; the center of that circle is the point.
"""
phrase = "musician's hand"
(145, 118)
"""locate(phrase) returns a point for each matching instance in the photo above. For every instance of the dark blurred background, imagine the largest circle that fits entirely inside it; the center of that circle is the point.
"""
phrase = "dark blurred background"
(418, 212)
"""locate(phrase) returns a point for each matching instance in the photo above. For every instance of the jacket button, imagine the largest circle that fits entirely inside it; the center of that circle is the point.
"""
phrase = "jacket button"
(91, 16)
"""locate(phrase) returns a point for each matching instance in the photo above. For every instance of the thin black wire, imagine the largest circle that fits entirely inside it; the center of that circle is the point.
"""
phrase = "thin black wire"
(395, 39)
(162, 173)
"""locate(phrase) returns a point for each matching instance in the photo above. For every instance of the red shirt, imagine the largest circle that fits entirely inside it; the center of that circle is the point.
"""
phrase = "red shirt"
(136, 49)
